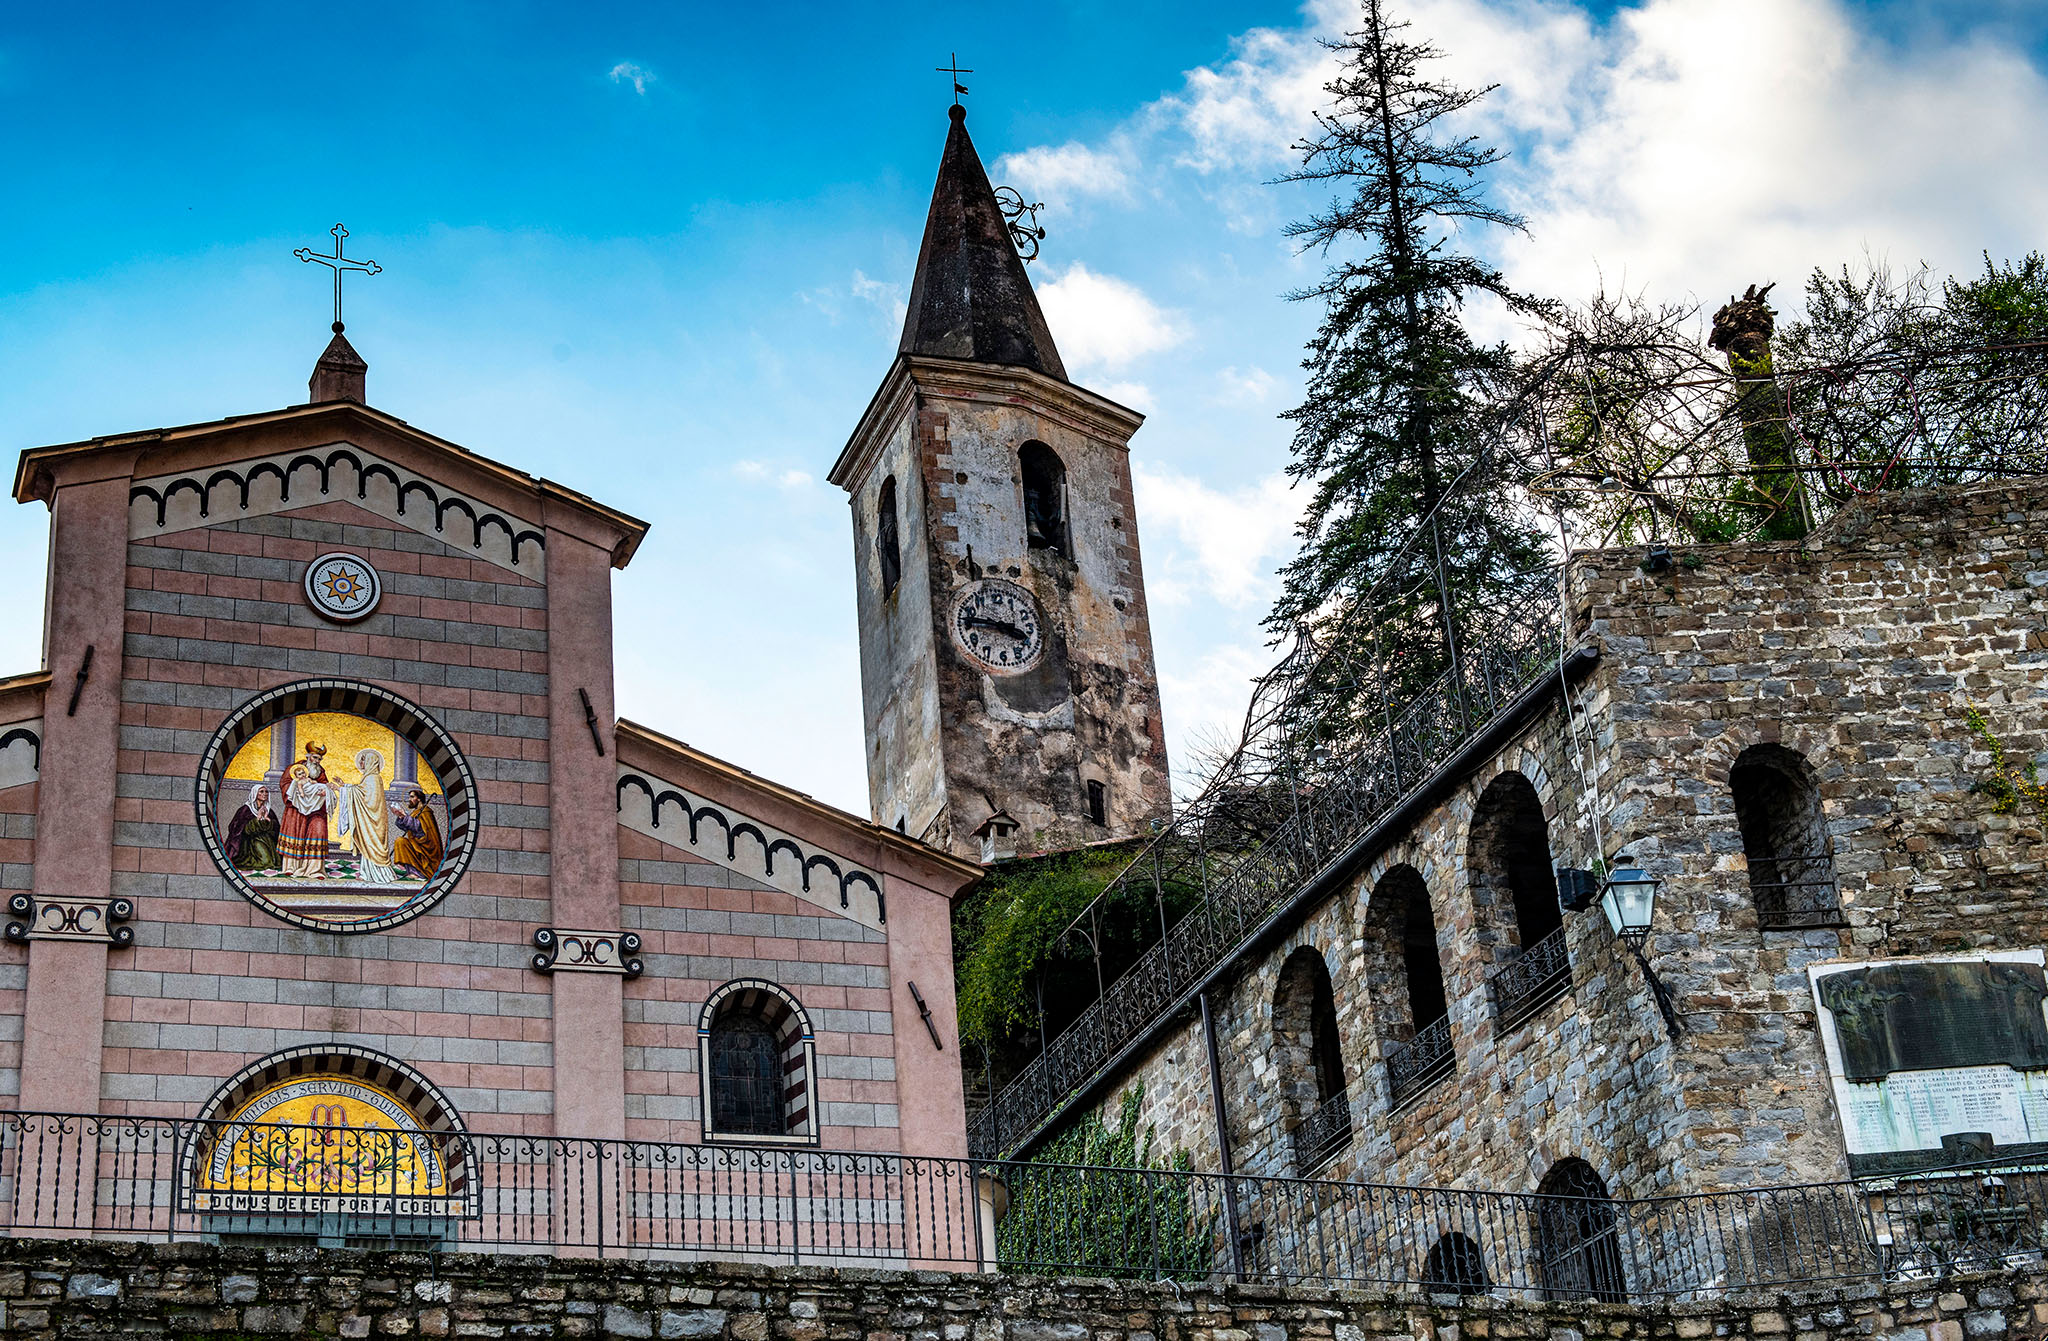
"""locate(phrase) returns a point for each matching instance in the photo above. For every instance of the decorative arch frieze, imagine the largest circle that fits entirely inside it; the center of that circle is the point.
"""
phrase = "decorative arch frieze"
(341, 472)
(750, 847)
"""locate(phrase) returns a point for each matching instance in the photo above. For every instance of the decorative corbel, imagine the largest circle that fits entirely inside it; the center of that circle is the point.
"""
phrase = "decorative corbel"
(44, 918)
(565, 951)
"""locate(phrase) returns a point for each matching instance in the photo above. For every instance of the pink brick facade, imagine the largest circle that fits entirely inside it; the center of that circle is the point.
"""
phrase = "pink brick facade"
(494, 623)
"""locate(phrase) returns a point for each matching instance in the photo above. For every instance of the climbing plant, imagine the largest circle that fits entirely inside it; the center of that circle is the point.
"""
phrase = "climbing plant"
(2009, 785)
(1098, 1201)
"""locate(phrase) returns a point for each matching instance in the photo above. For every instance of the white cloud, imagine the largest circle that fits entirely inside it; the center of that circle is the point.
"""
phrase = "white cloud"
(1204, 698)
(1105, 322)
(760, 472)
(1244, 386)
(639, 76)
(1134, 394)
(1066, 173)
(886, 297)
(1224, 545)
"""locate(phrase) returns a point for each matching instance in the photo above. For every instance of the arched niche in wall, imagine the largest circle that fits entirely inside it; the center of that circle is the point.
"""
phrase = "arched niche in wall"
(758, 1064)
(1405, 981)
(1310, 1059)
(336, 805)
(1578, 1238)
(1514, 894)
(1785, 838)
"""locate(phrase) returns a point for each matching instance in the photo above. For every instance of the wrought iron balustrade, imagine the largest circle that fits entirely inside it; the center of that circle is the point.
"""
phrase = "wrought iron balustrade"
(1414, 1066)
(1298, 794)
(1795, 892)
(1531, 980)
(1323, 1133)
(154, 1178)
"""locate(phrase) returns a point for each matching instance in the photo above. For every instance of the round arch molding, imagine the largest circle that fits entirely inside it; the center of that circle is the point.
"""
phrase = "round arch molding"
(407, 724)
(409, 1114)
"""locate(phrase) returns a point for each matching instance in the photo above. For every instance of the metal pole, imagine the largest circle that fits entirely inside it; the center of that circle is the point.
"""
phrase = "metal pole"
(1222, 1142)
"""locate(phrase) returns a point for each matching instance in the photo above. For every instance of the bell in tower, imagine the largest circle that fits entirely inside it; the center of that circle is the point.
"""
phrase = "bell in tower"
(1005, 646)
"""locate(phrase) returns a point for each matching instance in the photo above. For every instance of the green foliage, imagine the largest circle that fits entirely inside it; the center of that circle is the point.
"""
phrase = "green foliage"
(1402, 403)
(1097, 1202)
(2006, 784)
(1007, 931)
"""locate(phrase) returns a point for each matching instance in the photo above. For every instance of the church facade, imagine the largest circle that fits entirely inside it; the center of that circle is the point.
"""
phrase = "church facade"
(319, 814)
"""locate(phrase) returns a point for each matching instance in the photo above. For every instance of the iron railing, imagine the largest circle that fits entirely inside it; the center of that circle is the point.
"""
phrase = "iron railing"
(1414, 1066)
(1320, 766)
(1323, 1133)
(1793, 893)
(1532, 979)
(157, 1178)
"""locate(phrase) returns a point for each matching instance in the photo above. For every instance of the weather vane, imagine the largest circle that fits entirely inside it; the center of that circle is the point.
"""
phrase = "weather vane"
(955, 70)
(338, 263)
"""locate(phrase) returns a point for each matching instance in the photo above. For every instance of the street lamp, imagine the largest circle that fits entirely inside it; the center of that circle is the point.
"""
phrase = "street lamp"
(1629, 898)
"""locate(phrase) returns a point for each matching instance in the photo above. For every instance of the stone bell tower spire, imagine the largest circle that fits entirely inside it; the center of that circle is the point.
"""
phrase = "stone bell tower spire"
(1006, 651)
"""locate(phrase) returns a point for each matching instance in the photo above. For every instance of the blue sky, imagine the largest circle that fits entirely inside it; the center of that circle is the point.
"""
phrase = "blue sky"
(658, 253)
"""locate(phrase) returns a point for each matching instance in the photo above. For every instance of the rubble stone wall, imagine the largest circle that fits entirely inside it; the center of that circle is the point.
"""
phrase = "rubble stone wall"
(72, 1288)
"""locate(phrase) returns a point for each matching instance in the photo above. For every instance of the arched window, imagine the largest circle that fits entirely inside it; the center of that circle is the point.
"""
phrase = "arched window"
(1578, 1246)
(1514, 887)
(757, 1059)
(888, 549)
(1455, 1266)
(1785, 838)
(1045, 498)
(1311, 1062)
(1405, 979)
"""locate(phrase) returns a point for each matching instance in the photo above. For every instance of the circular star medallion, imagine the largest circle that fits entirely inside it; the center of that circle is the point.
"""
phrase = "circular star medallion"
(342, 586)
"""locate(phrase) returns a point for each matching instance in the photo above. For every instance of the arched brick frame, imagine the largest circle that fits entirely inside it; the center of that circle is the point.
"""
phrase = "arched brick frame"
(781, 1010)
(437, 750)
(439, 1120)
(1306, 1044)
(1391, 914)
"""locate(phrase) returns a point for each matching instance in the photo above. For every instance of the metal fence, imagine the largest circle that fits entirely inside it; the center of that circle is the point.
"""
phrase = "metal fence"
(148, 1178)
(1330, 751)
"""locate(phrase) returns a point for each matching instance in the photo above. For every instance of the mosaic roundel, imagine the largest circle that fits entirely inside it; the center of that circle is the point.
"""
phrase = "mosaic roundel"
(343, 587)
(337, 806)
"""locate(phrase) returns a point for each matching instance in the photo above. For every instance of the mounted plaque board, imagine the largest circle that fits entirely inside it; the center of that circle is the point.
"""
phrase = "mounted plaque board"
(1929, 1056)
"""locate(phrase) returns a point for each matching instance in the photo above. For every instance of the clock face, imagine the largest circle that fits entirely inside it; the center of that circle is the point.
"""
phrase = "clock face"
(997, 624)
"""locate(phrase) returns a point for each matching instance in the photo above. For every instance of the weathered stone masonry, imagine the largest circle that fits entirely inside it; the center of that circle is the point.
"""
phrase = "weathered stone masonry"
(78, 1288)
(1861, 648)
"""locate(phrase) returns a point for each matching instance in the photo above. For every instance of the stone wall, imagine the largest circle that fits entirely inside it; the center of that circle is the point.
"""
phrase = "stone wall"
(51, 1289)
(1862, 648)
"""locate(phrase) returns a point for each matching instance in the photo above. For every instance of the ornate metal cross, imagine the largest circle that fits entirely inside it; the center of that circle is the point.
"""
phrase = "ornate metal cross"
(338, 263)
(955, 70)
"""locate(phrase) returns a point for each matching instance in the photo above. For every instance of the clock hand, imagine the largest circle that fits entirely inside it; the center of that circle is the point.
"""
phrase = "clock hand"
(998, 625)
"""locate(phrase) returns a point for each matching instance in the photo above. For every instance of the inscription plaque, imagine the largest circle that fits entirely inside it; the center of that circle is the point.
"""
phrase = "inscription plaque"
(1925, 1049)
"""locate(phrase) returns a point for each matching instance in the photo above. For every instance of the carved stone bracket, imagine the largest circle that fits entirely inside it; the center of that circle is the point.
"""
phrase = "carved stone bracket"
(565, 951)
(44, 918)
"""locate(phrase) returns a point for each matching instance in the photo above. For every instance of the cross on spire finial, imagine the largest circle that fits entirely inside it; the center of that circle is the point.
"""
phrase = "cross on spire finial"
(338, 263)
(955, 70)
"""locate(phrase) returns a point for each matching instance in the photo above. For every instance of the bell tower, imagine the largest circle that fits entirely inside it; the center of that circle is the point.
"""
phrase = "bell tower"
(1010, 699)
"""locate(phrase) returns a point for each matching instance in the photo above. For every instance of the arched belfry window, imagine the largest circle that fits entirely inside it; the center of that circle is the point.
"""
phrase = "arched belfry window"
(1311, 1061)
(888, 547)
(1405, 979)
(1514, 887)
(1578, 1242)
(1785, 838)
(757, 1059)
(1045, 498)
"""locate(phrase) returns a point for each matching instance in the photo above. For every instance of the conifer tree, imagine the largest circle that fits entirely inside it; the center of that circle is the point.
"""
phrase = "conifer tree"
(1402, 412)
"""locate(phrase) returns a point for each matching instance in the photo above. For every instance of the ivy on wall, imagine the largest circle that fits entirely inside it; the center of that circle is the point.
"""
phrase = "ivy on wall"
(2009, 785)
